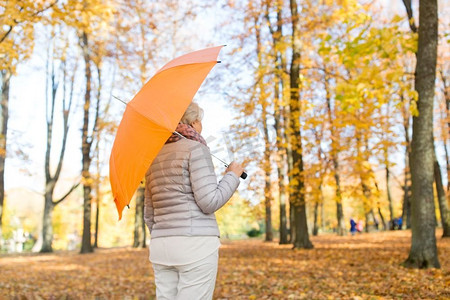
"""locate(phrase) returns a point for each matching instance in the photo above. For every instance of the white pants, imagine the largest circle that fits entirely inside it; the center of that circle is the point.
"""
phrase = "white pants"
(187, 282)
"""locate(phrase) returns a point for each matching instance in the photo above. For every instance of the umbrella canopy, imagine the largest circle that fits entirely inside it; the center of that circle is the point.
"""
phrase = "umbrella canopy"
(151, 117)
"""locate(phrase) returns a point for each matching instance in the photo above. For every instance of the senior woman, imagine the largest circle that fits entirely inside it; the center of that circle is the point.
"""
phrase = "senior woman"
(181, 196)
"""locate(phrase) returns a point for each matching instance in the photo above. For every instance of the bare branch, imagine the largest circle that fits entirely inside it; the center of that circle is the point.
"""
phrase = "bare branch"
(67, 194)
(409, 11)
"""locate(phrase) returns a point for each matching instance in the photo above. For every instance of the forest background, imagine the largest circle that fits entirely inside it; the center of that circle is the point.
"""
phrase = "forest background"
(63, 61)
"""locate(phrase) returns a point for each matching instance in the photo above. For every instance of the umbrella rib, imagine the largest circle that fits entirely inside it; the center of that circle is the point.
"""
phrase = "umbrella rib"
(146, 117)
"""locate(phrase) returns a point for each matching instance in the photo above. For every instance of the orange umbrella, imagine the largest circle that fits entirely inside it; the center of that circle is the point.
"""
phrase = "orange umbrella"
(151, 117)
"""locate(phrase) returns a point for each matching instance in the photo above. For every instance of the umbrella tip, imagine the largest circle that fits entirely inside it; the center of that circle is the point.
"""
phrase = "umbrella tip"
(128, 206)
(219, 61)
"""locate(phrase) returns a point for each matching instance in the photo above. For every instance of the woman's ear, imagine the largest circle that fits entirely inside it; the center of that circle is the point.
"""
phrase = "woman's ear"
(197, 125)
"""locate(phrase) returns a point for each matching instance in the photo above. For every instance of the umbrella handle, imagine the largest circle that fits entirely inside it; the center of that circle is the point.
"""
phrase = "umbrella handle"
(243, 175)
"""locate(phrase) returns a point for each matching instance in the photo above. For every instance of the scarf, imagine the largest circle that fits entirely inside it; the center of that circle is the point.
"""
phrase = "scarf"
(188, 132)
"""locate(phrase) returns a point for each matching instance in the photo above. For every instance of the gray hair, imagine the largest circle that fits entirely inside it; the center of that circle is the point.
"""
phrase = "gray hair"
(192, 114)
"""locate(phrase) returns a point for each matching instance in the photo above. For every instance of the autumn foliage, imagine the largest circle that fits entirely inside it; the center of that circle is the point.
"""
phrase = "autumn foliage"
(364, 266)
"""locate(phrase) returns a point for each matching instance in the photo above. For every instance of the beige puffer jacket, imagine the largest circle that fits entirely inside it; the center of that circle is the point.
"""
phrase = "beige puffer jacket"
(182, 193)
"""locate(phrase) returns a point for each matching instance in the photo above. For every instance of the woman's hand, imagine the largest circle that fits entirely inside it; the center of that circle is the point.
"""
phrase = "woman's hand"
(235, 168)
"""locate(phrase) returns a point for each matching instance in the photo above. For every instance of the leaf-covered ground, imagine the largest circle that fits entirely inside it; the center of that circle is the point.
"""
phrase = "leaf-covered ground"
(366, 266)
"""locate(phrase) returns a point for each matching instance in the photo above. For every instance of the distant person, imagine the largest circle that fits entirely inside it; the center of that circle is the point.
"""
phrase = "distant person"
(181, 196)
(395, 224)
(352, 226)
(359, 226)
(400, 223)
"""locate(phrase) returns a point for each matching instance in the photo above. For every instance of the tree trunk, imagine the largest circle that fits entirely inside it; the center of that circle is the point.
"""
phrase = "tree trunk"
(283, 219)
(139, 218)
(322, 216)
(51, 180)
(97, 195)
(442, 199)
(301, 235)
(446, 123)
(290, 167)
(423, 253)
(447, 129)
(316, 213)
(383, 221)
(291, 221)
(86, 245)
(334, 156)
(277, 34)
(4, 115)
(318, 204)
(267, 186)
(97, 133)
(367, 193)
(339, 210)
(144, 228)
(281, 169)
(97, 218)
(388, 190)
(298, 186)
(47, 226)
(266, 163)
(406, 211)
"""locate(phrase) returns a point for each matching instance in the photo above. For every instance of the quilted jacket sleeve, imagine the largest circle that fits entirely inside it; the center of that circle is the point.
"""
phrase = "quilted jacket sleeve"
(209, 195)
(148, 208)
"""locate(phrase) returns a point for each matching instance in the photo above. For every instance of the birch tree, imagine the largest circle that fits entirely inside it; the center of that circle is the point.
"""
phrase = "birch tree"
(54, 79)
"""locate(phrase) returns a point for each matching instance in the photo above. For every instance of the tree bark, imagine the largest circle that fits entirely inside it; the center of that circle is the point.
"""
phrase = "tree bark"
(442, 199)
(319, 198)
(279, 118)
(86, 244)
(4, 115)
(267, 185)
(388, 189)
(98, 65)
(316, 213)
(406, 211)
(266, 162)
(290, 168)
(339, 207)
(367, 208)
(281, 170)
(423, 252)
(47, 226)
(97, 218)
(446, 90)
(297, 194)
(139, 218)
